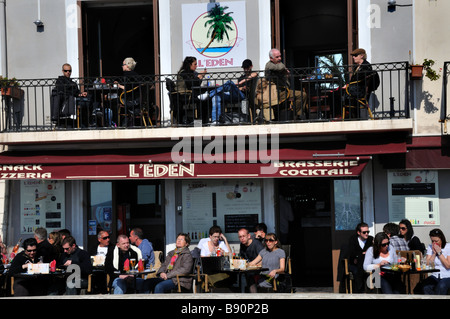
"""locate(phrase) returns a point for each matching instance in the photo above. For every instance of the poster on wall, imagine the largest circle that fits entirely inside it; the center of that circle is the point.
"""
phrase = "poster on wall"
(42, 204)
(215, 33)
(347, 204)
(230, 204)
(414, 195)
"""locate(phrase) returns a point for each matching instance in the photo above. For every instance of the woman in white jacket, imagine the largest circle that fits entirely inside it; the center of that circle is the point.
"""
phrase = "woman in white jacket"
(377, 256)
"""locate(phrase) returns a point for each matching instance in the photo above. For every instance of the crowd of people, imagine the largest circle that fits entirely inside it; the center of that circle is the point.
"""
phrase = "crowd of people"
(107, 262)
(366, 253)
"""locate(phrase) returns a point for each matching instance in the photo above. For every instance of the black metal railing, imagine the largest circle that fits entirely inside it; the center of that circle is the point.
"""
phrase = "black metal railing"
(151, 101)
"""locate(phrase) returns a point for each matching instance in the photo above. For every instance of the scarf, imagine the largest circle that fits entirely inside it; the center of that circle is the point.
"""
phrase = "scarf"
(176, 254)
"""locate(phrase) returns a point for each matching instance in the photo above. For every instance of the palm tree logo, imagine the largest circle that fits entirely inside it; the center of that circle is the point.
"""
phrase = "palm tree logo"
(219, 32)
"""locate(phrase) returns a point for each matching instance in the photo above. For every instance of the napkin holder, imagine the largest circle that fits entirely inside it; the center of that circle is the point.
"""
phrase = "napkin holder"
(38, 268)
(239, 263)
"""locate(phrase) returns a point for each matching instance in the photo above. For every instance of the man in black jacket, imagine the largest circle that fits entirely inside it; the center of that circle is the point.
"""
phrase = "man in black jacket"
(45, 250)
(25, 286)
(73, 255)
(357, 247)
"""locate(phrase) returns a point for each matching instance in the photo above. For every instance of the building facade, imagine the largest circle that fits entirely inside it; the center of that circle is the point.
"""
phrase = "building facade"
(169, 179)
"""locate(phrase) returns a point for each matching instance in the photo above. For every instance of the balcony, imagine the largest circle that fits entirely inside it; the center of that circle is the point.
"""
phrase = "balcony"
(150, 111)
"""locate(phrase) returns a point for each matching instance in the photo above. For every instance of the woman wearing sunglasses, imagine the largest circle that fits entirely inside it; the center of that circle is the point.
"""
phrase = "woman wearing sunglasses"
(407, 232)
(379, 255)
(273, 258)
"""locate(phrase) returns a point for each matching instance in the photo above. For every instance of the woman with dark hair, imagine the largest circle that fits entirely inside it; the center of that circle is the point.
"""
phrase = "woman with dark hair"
(273, 258)
(187, 77)
(379, 255)
(439, 253)
(407, 232)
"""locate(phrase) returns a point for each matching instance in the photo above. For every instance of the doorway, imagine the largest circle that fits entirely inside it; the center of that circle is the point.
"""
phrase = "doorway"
(119, 206)
(115, 31)
(310, 230)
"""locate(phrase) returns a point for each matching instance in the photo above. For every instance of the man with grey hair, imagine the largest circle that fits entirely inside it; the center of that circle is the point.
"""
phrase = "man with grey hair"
(275, 71)
(45, 251)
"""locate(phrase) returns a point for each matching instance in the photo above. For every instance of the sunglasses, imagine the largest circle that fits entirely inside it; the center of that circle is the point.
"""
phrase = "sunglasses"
(403, 228)
(384, 245)
(67, 70)
(31, 250)
(365, 232)
(267, 240)
(105, 238)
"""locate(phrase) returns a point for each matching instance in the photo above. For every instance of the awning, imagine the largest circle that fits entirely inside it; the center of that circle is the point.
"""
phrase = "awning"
(428, 153)
(140, 164)
(374, 148)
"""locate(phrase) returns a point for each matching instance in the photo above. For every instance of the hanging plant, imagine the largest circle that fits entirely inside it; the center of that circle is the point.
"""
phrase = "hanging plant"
(429, 72)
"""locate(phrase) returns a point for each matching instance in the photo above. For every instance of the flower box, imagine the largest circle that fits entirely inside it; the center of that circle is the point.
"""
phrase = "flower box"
(416, 72)
(12, 91)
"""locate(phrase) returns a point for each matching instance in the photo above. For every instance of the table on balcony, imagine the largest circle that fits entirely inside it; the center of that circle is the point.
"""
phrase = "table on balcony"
(105, 97)
(318, 90)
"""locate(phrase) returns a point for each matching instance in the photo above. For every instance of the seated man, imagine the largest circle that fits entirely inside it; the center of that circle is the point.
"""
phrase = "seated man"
(63, 97)
(73, 255)
(146, 248)
(249, 249)
(120, 281)
(230, 92)
(276, 71)
(26, 286)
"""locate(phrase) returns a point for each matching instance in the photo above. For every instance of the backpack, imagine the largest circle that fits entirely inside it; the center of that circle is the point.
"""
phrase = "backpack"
(374, 81)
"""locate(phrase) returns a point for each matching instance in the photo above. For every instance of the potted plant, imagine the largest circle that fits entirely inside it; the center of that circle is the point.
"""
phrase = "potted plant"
(417, 70)
(10, 87)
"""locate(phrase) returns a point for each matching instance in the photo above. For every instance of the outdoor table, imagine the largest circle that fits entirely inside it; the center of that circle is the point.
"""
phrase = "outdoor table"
(240, 272)
(136, 273)
(406, 275)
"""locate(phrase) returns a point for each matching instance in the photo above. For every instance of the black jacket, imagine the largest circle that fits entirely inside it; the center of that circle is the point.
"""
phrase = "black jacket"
(356, 254)
(79, 257)
(19, 260)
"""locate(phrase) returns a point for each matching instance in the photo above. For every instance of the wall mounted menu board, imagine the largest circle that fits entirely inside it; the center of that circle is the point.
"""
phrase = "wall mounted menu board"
(42, 204)
(414, 195)
(227, 203)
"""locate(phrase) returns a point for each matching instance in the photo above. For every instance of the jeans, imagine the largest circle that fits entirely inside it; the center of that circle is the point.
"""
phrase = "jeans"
(161, 286)
(435, 286)
(120, 286)
(228, 92)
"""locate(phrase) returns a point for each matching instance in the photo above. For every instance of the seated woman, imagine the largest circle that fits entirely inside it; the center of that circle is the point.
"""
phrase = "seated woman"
(178, 262)
(273, 258)
(187, 77)
(407, 232)
(439, 253)
(377, 256)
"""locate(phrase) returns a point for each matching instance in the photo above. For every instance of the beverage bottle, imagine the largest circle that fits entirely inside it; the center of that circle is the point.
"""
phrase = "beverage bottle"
(16, 247)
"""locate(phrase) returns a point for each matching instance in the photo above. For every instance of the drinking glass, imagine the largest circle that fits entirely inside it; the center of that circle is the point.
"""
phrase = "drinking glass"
(132, 263)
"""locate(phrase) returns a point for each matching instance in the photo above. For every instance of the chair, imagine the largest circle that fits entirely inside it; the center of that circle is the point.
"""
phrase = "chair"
(284, 282)
(158, 260)
(348, 278)
(178, 101)
(414, 278)
(197, 277)
(136, 108)
(355, 95)
(267, 98)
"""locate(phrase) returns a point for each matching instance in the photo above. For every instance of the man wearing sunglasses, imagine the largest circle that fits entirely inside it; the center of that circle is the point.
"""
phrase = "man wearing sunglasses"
(98, 254)
(63, 97)
(358, 245)
(25, 286)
